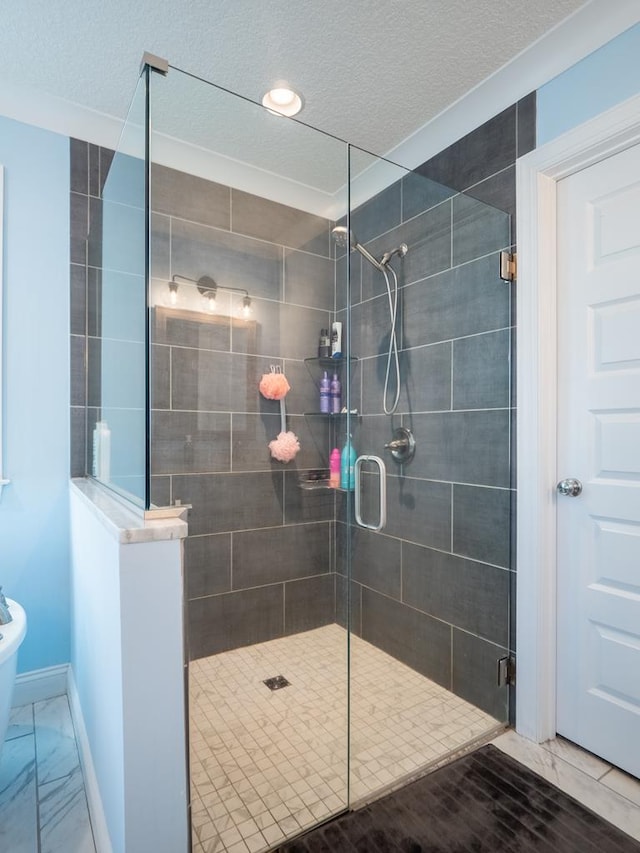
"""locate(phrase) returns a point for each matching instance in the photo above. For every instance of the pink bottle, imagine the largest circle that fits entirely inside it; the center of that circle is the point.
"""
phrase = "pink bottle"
(334, 468)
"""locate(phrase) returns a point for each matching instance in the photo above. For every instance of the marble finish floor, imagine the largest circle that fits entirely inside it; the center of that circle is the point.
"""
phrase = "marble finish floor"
(267, 765)
(43, 807)
(604, 789)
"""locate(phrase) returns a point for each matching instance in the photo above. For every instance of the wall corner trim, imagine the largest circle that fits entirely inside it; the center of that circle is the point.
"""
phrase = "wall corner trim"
(94, 800)
(3, 480)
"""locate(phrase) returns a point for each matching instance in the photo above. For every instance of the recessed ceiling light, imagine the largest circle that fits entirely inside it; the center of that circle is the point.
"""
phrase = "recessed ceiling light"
(283, 101)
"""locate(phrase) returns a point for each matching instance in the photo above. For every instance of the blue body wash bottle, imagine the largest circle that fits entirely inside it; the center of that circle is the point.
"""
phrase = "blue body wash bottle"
(347, 466)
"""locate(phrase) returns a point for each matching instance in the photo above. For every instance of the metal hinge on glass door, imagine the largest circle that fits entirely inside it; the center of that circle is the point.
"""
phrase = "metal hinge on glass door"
(508, 266)
(506, 671)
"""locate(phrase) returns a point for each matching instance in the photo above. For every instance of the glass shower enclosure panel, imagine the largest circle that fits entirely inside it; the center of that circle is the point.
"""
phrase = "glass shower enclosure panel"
(243, 203)
(117, 347)
(339, 640)
(430, 401)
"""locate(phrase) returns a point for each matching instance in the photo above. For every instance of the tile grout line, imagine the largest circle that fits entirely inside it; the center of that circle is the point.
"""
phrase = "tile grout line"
(37, 778)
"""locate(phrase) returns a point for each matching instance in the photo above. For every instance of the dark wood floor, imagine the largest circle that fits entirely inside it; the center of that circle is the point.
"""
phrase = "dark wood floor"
(484, 802)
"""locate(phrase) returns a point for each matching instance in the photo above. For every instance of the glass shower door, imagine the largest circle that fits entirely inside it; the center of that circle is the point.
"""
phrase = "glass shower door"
(429, 334)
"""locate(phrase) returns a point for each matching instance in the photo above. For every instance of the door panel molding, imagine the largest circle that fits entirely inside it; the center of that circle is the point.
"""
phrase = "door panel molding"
(536, 177)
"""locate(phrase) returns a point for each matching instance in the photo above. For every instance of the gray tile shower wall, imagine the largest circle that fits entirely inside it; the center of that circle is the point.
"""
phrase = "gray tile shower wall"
(258, 557)
(259, 553)
(433, 589)
(89, 166)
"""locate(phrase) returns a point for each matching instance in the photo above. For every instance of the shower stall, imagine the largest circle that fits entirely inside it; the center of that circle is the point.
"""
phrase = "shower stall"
(339, 641)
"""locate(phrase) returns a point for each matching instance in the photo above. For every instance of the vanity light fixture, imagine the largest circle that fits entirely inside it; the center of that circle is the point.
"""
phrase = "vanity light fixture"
(283, 100)
(208, 289)
(245, 309)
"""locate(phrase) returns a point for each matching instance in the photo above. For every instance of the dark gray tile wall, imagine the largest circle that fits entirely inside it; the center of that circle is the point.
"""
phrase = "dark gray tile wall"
(259, 553)
(89, 166)
(474, 673)
(410, 635)
(309, 603)
(433, 588)
(218, 623)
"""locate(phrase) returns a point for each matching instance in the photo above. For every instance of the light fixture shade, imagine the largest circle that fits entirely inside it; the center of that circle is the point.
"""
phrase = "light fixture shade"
(245, 308)
(282, 100)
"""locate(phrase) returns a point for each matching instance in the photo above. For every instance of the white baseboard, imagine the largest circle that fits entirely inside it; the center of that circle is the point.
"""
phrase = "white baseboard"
(40, 684)
(96, 811)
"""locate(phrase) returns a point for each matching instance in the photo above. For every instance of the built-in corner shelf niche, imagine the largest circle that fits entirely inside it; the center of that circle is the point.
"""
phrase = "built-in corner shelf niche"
(3, 480)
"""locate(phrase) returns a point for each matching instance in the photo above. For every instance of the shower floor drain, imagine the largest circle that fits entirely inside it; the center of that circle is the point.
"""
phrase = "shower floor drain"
(276, 682)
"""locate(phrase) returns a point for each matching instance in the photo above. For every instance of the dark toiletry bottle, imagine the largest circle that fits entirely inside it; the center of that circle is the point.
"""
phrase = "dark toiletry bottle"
(325, 394)
(324, 344)
(335, 391)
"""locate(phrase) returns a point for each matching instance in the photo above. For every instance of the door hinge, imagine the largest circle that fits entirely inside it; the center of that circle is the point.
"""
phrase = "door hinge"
(506, 671)
(508, 266)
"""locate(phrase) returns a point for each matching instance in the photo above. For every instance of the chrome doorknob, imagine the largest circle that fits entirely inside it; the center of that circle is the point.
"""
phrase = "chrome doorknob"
(569, 487)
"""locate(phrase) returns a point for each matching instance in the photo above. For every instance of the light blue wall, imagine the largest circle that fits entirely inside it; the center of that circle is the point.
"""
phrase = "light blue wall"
(603, 79)
(34, 512)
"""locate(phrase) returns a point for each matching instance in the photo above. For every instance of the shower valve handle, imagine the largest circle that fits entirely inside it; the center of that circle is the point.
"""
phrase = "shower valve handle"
(402, 446)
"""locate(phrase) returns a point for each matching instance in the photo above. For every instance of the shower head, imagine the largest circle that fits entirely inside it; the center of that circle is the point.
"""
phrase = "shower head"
(343, 237)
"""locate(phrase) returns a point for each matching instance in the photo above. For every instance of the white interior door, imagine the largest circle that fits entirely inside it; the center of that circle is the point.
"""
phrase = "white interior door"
(598, 636)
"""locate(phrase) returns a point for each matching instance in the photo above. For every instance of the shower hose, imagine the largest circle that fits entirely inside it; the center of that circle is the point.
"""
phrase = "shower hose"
(392, 353)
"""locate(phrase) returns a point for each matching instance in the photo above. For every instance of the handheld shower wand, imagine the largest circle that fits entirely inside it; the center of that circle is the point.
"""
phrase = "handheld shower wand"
(401, 250)
(344, 238)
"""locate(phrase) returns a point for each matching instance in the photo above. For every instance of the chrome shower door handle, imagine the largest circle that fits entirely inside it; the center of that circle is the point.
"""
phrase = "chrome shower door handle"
(383, 491)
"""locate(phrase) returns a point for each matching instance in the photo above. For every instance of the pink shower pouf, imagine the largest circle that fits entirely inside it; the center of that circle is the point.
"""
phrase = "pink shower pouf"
(274, 386)
(285, 447)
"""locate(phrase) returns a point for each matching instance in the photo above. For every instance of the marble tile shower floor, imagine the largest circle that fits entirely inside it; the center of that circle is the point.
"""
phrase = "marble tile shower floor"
(266, 765)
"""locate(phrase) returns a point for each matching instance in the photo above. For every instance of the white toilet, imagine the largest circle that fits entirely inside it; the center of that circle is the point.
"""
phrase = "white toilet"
(11, 636)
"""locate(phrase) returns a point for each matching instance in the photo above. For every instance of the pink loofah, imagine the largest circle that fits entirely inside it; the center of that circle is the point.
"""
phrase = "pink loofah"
(274, 386)
(285, 447)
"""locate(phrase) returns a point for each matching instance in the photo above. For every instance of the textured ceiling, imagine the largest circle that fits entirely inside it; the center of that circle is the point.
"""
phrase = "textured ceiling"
(371, 71)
